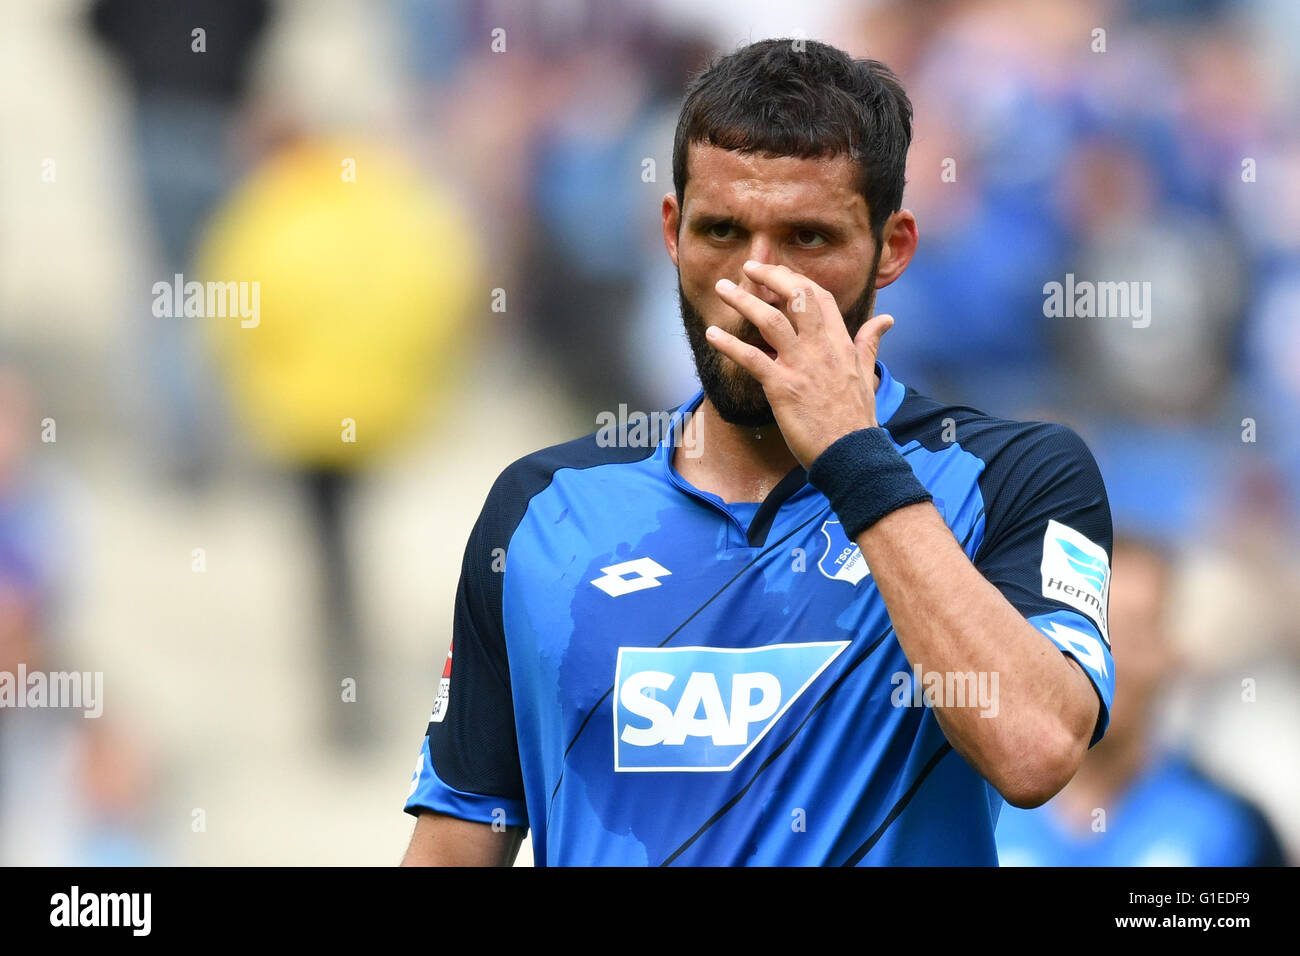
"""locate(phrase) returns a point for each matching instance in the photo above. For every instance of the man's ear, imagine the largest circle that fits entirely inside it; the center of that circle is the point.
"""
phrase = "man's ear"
(672, 223)
(898, 244)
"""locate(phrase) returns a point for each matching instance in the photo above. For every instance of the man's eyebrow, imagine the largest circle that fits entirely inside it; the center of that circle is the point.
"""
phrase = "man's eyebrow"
(706, 220)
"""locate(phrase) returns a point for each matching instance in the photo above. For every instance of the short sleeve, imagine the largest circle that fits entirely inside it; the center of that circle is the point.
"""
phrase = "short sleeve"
(468, 764)
(1047, 546)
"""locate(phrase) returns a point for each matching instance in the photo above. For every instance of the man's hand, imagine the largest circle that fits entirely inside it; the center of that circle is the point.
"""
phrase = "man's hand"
(947, 617)
(821, 384)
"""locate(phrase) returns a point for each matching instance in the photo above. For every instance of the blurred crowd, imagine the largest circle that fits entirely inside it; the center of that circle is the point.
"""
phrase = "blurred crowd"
(509, 162)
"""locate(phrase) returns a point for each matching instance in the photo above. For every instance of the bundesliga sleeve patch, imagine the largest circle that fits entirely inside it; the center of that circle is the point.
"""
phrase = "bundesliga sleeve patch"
(1076, 572)
(444, 690)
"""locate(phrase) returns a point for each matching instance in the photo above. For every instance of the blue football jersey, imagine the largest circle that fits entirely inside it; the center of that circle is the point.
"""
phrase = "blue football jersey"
(644, 674)
(1171, 814)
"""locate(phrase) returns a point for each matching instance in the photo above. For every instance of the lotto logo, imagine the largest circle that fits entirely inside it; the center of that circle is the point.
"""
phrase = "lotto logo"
(645, 574)
(705, 708)
(1086, 648)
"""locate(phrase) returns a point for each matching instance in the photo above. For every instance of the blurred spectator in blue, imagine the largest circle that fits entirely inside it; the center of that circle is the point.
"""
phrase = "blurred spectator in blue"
(594, 207)
(187, 65)
(73, 791)
(1134, 802)
(990, 135)
(1269, 392)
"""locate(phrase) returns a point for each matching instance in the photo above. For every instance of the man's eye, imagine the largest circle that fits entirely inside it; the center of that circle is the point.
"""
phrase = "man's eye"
(720, 230)
(809, 238)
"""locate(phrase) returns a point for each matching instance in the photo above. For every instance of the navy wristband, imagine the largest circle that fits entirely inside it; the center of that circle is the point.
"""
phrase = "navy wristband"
(865, 478)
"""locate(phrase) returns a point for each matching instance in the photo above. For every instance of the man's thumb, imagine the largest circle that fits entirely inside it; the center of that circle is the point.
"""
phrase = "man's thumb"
(867, 341)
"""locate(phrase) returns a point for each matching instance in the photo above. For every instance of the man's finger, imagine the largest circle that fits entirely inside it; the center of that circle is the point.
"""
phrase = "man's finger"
(753, 360)
(771, 323)
(800, 294)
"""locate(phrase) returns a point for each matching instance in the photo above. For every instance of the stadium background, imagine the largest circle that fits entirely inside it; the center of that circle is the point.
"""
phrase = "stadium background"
(492, 281)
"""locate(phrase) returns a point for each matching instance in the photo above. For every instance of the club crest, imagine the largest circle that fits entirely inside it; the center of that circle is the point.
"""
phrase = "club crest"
(843, 560)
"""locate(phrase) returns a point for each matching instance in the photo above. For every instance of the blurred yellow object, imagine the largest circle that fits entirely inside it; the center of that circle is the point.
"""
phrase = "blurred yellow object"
(365, 291)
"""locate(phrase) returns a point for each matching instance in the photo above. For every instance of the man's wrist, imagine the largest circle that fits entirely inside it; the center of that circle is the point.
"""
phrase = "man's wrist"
(864, 478)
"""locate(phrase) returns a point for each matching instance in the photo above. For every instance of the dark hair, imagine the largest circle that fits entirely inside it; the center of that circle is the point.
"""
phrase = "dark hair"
(803, 98)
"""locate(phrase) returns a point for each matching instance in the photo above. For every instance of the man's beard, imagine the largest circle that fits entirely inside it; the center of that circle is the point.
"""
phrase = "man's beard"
(737, 395)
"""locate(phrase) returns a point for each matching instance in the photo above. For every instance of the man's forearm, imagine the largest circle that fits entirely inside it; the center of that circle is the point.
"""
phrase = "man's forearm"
(949, 619)
(441, 840)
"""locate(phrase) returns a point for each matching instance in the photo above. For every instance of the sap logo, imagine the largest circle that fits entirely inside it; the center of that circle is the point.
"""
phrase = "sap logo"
(1076, 572)
(706, 708)
(673, 727)
(843, 560)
